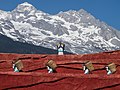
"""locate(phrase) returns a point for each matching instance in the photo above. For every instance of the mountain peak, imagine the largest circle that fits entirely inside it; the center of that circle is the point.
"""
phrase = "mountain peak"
(25, 7)
(80, 12)
(26, 4)
(83, 11)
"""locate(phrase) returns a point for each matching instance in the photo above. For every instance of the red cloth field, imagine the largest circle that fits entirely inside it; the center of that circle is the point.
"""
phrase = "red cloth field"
(69, 76)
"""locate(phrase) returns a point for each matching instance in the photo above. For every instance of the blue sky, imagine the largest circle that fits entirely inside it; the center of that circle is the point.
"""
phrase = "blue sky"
(105, 10)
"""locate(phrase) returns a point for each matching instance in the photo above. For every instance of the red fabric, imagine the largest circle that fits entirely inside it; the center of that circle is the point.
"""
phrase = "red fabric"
(69, 76)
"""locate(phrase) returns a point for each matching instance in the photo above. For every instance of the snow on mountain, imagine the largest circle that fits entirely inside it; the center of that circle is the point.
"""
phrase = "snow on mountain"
(79, 30)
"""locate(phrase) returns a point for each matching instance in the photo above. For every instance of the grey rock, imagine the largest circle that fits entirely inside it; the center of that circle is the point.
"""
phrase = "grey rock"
(60, 27)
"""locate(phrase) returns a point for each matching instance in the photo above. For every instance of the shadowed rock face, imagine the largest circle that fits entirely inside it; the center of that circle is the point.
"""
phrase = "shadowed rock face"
(79, 30)
(69, 70)
(9, 46)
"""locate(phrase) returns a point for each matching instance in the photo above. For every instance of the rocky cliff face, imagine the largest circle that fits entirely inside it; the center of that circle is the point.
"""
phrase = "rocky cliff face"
(79, 30)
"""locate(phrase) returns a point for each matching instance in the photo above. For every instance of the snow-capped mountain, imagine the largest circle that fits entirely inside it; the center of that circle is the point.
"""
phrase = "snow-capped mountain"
(79, 30)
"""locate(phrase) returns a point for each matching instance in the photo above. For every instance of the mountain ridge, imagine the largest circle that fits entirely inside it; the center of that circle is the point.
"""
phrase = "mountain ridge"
(79, 30)
(9, 46)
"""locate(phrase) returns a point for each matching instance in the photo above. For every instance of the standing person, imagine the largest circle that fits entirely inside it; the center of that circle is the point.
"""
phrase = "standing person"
(60, 48)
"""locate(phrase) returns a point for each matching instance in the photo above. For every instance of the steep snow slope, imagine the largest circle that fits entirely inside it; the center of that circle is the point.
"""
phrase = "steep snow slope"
(79, 30)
